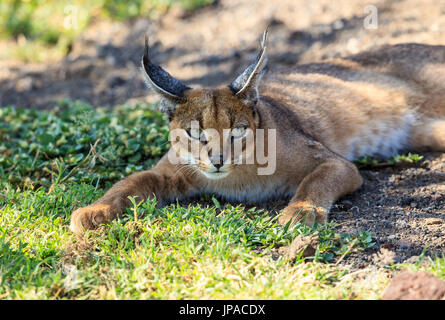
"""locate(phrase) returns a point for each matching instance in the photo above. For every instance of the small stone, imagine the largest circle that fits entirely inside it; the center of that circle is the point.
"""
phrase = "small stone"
(415, 286)
(310, 143)
(337, 25)
(413, 259)
(431, 221)
(413, 205)
(385, 256)
(391, 237)
(24, 84)
(401, 224)
(111, 60)
(353, 45)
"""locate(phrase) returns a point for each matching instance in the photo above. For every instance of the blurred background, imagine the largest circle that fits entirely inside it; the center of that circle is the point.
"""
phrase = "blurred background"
(90, 50)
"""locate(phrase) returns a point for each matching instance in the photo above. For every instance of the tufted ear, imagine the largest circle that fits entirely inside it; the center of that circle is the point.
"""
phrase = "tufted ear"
(246, 84)
(170, 89)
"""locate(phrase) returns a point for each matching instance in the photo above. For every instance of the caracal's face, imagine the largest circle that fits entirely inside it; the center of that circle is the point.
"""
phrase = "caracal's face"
(213, 132)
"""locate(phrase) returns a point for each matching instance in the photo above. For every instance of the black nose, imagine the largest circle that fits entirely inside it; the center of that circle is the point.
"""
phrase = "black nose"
(217, 165)
(217, 160)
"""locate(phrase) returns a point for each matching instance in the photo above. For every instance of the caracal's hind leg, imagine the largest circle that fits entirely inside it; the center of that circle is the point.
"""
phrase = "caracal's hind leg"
(429, 133)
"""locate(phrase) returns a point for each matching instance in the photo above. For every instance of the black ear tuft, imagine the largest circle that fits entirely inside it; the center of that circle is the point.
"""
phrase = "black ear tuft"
(246, 84)
(160, 80)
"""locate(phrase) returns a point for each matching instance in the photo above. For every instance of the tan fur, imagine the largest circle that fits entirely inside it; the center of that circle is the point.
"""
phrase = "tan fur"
(326, 114)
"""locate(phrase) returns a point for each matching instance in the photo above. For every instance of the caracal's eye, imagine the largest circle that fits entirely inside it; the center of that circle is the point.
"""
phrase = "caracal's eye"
(238, 132)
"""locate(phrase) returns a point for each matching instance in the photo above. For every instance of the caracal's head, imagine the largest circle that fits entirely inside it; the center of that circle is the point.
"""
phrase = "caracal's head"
(211, 130)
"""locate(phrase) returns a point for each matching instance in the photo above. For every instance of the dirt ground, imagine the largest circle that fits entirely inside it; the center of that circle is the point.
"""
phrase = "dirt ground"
(403, 207)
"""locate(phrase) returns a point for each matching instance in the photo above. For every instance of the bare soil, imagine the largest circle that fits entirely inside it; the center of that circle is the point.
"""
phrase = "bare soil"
(415, 286)
(403, 207)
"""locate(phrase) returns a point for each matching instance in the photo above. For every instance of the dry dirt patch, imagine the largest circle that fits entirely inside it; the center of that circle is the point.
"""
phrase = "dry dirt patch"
(404, 208)
(415, 286)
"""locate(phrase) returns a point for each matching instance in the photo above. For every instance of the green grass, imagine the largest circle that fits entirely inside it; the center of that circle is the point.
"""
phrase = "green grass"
(42, 30)
(52, 162)
(75, 142)
(169, 253)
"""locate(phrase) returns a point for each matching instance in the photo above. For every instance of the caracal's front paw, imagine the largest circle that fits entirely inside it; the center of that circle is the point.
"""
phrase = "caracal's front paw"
(90, 217)
(305, 212)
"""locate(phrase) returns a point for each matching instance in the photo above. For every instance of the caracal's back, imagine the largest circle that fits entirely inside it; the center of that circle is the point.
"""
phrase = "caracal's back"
(371, 104)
